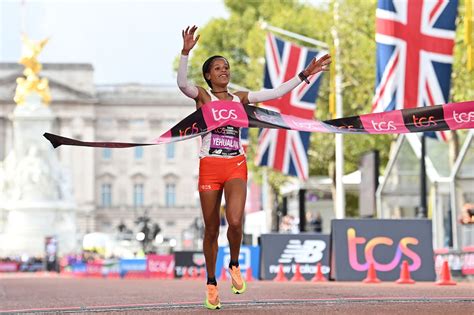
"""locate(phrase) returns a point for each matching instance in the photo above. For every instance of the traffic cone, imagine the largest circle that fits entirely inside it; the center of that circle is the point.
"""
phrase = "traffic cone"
(298, 276)
(405, 274)
(248, 275)
(280, 277)
(445, 275)
(195, 274)
(318, 275)
(185, 273)
(223, 275)
(371, 275)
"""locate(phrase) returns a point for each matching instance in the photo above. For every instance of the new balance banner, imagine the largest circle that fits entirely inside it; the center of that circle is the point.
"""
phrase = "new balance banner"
(249, 257)
(305, 249)
(191, 260)
(216, 114)
(384, 243)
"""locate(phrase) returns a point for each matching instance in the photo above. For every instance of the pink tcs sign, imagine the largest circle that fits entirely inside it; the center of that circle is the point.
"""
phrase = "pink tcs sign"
(160, 266)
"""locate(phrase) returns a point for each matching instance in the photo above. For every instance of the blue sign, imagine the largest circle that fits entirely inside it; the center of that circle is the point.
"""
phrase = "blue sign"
(79, 267)
(249, 257)
(127, 265)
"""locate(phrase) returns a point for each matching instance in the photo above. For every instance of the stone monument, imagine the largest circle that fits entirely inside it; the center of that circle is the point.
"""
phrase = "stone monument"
(35, 191)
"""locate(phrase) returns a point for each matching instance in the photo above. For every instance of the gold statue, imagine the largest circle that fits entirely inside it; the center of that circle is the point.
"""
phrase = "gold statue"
(32, 83)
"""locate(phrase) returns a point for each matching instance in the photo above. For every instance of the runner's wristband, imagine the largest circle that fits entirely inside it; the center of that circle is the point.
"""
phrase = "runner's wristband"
(303, 77)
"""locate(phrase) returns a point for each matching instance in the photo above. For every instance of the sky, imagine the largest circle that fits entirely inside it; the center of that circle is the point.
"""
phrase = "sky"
(126, 41)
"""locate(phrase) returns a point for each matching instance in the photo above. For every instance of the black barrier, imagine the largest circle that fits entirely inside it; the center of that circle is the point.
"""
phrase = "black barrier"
(386, 244)
(305, 249)
(189, 259)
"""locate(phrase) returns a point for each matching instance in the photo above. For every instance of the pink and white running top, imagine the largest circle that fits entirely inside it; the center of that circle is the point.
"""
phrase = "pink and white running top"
(224, 141)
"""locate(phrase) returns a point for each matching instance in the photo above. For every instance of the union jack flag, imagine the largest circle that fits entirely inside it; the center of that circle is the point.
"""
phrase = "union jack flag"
(415, 40)
(286, 150)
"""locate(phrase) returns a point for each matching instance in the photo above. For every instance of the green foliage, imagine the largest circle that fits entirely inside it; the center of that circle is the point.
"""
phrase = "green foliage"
(241, 40)
(462, 85)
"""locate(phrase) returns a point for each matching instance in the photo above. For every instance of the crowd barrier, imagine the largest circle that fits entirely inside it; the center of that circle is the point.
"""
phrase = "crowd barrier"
(366, 250)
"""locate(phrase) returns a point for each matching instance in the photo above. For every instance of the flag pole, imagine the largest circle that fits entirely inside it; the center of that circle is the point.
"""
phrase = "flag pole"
(340, 192)
(297, 36)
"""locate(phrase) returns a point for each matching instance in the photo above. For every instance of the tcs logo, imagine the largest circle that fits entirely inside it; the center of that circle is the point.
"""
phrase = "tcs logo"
(220, 114)
(189, 130)
(354, 241)
(423, 121)
(383, 125)
(463, 117)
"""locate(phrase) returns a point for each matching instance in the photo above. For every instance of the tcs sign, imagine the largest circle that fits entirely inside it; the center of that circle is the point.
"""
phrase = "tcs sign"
(369, 246)
(357, 243)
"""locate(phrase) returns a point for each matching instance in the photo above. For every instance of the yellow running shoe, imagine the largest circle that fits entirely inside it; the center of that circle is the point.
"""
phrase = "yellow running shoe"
(238, 284)
(212, 299)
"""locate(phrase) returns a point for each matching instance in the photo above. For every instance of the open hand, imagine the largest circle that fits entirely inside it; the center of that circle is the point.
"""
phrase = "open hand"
(188, 39)
(315, 66)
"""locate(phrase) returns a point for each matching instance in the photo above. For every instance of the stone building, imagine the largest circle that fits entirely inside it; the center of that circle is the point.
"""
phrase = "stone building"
(115, 186)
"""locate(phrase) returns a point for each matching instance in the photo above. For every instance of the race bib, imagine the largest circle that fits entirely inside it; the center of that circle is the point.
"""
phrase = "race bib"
(225, 141)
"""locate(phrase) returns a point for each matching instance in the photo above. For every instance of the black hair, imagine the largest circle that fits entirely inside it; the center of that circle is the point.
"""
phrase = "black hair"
(207, 66)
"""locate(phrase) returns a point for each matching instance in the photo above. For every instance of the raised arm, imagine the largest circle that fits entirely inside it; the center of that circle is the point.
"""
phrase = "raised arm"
(315, 66)
(188, 43)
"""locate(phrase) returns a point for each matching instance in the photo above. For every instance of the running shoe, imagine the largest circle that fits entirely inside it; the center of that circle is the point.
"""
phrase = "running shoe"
(212, 299)
(238, 284)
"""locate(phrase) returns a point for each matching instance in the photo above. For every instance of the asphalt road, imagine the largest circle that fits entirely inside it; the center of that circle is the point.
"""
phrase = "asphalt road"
(57, 294)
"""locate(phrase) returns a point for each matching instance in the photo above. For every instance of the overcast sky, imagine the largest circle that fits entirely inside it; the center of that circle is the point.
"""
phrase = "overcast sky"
(126, 41)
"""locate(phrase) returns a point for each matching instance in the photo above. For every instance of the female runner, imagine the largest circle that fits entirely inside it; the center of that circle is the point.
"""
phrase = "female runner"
(222, 165)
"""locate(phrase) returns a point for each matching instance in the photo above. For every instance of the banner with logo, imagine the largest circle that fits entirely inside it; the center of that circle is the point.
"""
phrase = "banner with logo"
(305, 249)
(386, 244)
(249, 257)
(191, 260)
(160, 265)
(9, 266)
(132, 265)
(216, 114)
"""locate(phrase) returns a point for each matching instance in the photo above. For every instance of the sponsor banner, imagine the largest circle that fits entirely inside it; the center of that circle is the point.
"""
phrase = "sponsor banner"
(461, 262)
(305, 249)
(347, 125)
(160, 265)
(132, 265)
(78, 267)
(9, 266)
(94, 268)
(249, 257)
(385, 122)
(216, 114)
(460, 116)
(32, 266)
(425, 119)
(188, 260)
(386, 244)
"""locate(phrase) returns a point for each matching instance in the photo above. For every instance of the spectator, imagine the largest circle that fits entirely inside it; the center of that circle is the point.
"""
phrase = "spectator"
(467, 214)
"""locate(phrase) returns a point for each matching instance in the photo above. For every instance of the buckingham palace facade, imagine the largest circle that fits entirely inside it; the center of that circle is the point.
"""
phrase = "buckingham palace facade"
(114, 187)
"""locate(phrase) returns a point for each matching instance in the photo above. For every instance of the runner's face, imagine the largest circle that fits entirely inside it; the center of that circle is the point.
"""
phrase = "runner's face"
(219, 72)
